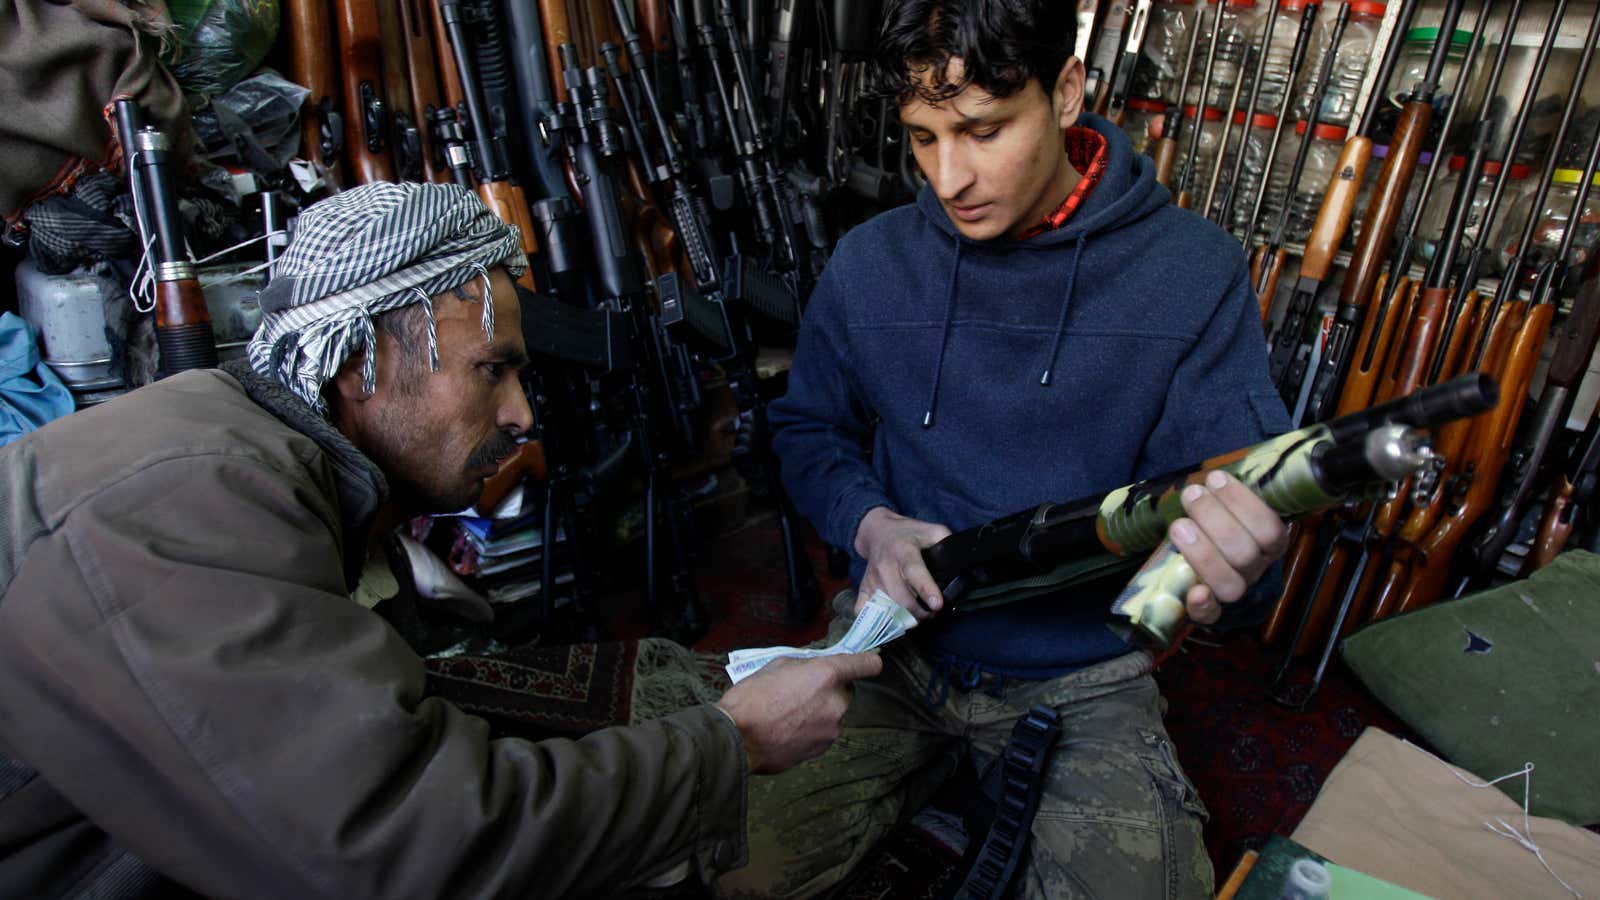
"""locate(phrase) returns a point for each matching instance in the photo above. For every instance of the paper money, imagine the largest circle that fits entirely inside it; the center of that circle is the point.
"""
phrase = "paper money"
(880, 621)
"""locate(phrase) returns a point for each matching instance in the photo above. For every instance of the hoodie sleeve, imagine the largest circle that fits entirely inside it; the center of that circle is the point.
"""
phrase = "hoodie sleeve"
(822, 426)
(1221, 397)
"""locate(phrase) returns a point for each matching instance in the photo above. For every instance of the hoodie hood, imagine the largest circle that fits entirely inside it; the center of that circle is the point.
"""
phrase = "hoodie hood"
(1127, 192)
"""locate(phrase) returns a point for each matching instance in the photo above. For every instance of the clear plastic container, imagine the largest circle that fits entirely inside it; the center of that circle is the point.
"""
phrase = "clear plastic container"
(1256, 141)
(1519, 183)
(1412, 67)
(1280, 54)
(1210, 136)
(1554, 220)
(1166, 40)
(1327, 142)
(1355, 55)
(1379, 153)
(1240, 30)
(1559, 76)
(1142, 121)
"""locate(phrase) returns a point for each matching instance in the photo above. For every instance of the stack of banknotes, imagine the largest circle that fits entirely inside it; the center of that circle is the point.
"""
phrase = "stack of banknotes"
(880, 621)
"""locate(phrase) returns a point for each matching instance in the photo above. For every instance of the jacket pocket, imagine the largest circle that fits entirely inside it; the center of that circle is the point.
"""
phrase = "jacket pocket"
(1270, 414)
(1170, 778)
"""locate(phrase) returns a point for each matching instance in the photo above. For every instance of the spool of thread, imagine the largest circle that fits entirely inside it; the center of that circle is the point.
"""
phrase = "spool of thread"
(1308, 880)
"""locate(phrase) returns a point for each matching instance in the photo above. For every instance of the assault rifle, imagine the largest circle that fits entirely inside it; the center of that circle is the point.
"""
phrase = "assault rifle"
(183, 324)
(1314, 468)
(311, 64)
(661, 388)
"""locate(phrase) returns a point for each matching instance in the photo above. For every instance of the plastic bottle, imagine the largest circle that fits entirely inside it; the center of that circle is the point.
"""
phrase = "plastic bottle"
(1354, 56)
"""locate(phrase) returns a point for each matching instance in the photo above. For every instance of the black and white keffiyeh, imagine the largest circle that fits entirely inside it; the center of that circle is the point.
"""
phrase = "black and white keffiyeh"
(362, 253)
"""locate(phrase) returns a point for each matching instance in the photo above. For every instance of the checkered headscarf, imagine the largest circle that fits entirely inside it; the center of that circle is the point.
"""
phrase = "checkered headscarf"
(362, 253)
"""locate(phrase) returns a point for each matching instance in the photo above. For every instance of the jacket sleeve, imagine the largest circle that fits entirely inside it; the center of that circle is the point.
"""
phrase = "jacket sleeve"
(822, 426)
(1221, 397)
(179, 659)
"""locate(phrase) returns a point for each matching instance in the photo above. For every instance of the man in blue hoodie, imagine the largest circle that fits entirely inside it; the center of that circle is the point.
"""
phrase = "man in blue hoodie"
(1042, 324)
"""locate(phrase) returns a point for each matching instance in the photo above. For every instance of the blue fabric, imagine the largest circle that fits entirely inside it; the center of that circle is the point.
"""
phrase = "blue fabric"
(31, 393)
(1125, 344)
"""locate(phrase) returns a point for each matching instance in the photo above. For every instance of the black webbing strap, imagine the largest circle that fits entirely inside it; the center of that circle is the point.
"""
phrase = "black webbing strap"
(1022, 766)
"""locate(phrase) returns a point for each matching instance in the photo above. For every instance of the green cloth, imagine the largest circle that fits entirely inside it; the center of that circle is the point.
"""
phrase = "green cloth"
(1501, 678)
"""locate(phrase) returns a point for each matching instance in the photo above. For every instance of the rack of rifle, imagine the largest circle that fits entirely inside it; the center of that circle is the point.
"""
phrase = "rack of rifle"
(1390, 335)
(651, 154)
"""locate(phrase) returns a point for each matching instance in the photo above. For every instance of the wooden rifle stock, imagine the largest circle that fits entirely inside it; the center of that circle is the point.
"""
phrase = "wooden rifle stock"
(422, 81)
(527, 463)
(405, 135)
(311, 65)
(1485, 457)
(1166, 153)
(449, 77)
(655, 31)
(366, 120)
(1269, 289)
(557, 31)
(1555, 529)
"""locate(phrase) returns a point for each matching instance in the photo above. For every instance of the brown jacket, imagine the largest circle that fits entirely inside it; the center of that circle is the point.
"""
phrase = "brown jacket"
(184, 682)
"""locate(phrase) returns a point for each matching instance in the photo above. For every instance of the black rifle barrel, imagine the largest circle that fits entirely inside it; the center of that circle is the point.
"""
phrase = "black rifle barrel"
(1297, 59)
(1512, 278)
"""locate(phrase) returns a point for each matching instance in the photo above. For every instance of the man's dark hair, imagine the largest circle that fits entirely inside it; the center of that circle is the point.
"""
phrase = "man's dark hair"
(1001, 43)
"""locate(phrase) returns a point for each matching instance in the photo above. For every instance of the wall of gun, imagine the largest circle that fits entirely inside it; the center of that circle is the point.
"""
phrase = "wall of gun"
(680, 170)
(1414, 182)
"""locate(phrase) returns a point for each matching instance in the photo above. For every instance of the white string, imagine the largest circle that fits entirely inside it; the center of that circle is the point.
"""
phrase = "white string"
(1523, 837)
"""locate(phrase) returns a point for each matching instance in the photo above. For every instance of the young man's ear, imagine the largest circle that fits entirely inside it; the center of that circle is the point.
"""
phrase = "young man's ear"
(1067, 96)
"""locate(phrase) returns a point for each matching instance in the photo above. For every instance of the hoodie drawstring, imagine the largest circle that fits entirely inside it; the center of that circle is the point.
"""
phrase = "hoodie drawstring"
(944, 339)
(1066, 303)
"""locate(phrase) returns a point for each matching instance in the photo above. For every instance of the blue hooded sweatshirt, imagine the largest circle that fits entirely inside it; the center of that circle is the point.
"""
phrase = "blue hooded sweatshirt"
(956, 381)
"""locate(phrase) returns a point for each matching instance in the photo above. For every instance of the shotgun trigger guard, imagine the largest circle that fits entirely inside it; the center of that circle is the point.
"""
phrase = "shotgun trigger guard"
(1426, 482)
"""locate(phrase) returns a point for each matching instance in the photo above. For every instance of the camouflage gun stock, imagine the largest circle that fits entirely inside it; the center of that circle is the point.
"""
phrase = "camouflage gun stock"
(1317, 467)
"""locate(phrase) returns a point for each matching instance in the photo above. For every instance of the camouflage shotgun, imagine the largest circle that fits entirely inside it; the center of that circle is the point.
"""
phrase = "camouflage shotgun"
(1314, 468)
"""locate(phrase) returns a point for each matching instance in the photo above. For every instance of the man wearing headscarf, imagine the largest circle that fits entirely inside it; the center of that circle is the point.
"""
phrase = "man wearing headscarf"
(187, 693)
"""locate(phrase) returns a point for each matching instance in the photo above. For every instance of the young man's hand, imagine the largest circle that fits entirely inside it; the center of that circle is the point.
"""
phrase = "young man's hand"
(1230, 538)
(892, 545)
(789, 711)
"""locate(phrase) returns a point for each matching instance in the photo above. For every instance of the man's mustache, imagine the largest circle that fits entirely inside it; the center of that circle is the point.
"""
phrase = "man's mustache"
(492, 452)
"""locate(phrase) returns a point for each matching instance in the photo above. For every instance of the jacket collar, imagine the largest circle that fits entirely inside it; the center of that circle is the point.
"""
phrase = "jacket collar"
(359, 483)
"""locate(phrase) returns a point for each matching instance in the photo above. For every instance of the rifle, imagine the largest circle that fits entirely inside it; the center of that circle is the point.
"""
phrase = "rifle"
(1165, 151)
(1350, 326)
(311, 65)
(495, 187)
(759, 176)
(533, 96)
(183, 324)
(1184, 200)
(1297, 59)
(1572, 493)
(1207, 208)
(422, 72)
(1122, 72)
(1109, 33)
(1269, 257)
(1232, 191)
(1575, 344)
(366, 123)
(1314, 468)
(658, 388)
(1490, 441)
(405, 139)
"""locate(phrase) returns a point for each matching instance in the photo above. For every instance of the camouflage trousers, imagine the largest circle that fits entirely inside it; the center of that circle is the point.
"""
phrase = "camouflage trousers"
(1117, 819)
